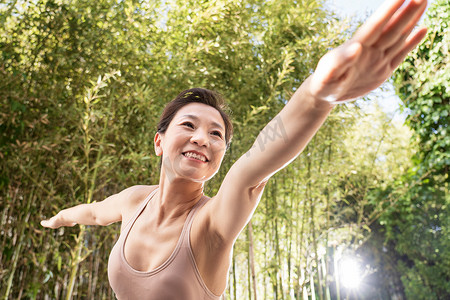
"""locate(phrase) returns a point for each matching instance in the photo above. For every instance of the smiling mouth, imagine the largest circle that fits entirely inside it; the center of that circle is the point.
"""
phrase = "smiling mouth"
(195, 156)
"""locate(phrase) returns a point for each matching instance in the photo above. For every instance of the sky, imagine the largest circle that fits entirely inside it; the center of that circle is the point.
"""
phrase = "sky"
(360, 10)
(352, 8)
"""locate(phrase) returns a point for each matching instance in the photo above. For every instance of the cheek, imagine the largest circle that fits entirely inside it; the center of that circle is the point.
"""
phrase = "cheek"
(217, 145)
(177, 140)
(219, 153)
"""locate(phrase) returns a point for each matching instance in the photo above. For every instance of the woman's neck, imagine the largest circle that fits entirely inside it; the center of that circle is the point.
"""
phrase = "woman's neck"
(176, 197)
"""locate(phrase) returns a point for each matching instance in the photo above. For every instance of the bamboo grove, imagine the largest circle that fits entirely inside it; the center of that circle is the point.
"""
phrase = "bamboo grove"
(82, 84)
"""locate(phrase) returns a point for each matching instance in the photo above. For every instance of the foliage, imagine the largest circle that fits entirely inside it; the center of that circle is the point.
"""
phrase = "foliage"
(418, 224)
(422, 82)
(83, 83)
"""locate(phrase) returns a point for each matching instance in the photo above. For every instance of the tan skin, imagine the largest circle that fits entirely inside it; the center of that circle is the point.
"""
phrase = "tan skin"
(347, 72)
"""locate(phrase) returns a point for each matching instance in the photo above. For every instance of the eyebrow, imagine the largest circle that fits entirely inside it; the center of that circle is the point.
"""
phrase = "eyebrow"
(197, 118)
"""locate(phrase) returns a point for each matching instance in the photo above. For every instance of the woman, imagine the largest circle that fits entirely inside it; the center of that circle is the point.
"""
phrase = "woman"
(176, 243)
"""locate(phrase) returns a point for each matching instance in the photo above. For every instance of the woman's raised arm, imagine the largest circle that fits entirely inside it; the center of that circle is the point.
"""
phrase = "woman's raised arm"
(347, 72)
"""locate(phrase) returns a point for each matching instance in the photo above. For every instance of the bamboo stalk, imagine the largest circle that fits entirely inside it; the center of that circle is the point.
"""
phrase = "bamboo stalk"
(336, 275)
(234, 277)
(311, 282)
(276, 241)
(14, 266)
(22, 283)
(19, 247)
(265, 253)
(252, 259)
(89, 178)
(289, 255)
(249, 285)
(328, 297)
(4, 224)
(76, 254)
(313, 230)
(301, 244)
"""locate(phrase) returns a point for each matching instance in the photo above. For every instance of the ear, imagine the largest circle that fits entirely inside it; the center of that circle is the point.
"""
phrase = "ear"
(157, 143)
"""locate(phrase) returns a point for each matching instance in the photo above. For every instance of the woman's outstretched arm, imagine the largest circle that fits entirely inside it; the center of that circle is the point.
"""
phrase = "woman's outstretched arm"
(103, 213)
(96, 213)
(347, 72)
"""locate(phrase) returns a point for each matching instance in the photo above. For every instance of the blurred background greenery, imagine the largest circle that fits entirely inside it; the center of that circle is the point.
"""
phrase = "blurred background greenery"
(362, 213)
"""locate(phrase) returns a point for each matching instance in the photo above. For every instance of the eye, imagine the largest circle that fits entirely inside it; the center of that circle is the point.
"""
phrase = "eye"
(218, 133)
(188, 124)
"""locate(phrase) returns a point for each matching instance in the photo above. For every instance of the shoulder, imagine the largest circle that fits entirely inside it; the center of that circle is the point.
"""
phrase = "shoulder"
(133, 196)
(135, 192)
(227, 213)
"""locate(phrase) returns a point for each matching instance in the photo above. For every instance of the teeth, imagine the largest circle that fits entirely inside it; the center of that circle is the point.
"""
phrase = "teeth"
(194, 155)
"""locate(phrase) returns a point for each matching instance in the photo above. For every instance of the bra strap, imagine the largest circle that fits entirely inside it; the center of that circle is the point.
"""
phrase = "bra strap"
(190, 218)
(142, 206)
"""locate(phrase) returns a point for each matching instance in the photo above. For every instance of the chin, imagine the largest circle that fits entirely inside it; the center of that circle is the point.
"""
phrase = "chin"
(192, 175)
(186, 172)
(187, 175)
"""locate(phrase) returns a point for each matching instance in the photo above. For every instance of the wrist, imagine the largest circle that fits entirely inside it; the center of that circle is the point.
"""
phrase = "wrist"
(316, 101)
(324, 100)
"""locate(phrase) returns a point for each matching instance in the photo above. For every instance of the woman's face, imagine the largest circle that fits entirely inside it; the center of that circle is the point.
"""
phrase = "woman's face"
(193, 145)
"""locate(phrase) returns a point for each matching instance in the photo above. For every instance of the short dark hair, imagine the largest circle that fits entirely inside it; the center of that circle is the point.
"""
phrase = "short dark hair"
(198, 95)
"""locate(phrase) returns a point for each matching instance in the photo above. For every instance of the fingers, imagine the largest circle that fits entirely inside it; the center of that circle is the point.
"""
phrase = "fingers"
(411, 42)
(390, 22)
(50, 223)
(370, 31)
(46, 223)
(401, 24)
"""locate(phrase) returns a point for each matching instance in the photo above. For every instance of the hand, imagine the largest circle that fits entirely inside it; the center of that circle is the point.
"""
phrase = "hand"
(55, 222)
(365, 61)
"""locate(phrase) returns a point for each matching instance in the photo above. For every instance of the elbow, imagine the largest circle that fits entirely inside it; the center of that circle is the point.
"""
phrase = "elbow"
(105, 220)
(101, 222)
(257, 189)
(96, 219)
(261, 185)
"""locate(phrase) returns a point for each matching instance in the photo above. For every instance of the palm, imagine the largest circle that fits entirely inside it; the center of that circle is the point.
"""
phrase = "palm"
(369, 58)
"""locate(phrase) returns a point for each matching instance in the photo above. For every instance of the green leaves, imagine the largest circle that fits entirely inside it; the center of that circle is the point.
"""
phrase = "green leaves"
(421, 234)
(78, 132)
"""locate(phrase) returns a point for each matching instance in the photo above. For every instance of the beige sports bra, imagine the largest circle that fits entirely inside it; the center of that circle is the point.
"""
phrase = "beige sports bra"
(177, 278)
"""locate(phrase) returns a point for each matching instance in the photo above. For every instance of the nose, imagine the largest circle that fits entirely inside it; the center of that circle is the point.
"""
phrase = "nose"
(200, 137)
